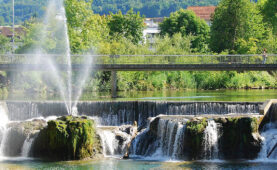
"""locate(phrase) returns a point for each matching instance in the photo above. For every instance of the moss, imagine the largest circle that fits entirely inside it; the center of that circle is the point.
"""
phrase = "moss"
(68, 138)
(237, 140)
(194, 135)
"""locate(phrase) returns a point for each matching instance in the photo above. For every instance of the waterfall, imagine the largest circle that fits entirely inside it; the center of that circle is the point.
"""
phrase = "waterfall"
(4, 142)
(179, 141)
(4, 131)
(269, 150)
(168, 144)
(115, 139)
(108, 142)
(211, 141)
(167, 131)
(27, 146)
(116, 113)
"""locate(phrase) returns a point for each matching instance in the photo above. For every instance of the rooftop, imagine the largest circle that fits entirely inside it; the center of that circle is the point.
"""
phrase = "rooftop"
(204, 12)
(7, 31)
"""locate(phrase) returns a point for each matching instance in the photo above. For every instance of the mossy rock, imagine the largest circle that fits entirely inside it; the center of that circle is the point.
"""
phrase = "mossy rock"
(240, 138)
(194, 138)
(67, 138)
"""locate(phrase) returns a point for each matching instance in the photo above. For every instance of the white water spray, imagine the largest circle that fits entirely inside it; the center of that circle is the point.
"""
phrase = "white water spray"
(108, 142)
(211, 141)
(269, 150)
(3, 129)
(27, 146)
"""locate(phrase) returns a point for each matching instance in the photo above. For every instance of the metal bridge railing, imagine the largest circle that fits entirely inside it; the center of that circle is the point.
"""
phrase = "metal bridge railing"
(140, 59)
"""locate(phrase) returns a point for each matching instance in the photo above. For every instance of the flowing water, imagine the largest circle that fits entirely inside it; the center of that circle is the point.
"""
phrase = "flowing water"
(211, 136)
(269, 151)
(27, 146)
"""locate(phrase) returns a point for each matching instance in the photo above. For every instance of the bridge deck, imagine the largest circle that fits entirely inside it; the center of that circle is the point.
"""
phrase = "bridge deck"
(25, 62)
(145, 67)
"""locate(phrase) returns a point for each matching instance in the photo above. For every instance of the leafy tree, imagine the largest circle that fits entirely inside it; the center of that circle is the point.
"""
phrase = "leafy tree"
(130, 25)
(85, 29)
(234, 23)
(186, 23)
(270, 12)
(5, 44)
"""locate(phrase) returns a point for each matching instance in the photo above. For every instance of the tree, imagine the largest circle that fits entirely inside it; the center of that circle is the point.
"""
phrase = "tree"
(235, 22)
(5, 44)
(129, 26)
(270, 13)
(85, 29)
(186, 23)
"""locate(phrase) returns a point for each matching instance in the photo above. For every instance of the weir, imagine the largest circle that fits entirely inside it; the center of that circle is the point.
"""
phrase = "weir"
(126, 112)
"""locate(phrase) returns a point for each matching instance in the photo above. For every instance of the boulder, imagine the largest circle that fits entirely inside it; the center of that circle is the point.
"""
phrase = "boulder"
(18, 132)
(240, 138)
(194, 138)
(68, 138)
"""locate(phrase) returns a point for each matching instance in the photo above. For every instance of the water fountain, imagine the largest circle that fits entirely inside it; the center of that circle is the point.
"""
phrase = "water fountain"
(55, 27)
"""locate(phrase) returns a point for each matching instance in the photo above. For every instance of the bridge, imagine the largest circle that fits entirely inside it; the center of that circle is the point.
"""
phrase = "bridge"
(30, 62)
(113, 63)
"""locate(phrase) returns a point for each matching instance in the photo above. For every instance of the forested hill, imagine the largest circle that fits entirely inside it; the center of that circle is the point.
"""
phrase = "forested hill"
(149, 8)
(24, 9)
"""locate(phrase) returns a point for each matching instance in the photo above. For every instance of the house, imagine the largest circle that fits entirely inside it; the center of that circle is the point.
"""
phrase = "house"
(8, 31)
(203, 12)
(151, 29)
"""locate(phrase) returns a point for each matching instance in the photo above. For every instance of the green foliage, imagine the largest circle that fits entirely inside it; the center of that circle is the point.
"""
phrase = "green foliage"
(85, 29)
(129, 26)
(237, 25)
(24, 10)
(157, 8)
(270, 13)
(186, 23)
(5, 44)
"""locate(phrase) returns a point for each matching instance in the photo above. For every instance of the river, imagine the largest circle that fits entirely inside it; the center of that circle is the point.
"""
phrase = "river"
(115, 163)
(255, 95)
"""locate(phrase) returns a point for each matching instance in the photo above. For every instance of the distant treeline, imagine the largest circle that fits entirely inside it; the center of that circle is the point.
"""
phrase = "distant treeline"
(25, 9)
(154, 8)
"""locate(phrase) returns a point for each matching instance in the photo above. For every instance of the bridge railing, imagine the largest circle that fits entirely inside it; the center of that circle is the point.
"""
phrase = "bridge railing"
(140, 59)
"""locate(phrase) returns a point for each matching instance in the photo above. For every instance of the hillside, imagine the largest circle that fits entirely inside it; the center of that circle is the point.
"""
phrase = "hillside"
(153, 8)
(24, 9)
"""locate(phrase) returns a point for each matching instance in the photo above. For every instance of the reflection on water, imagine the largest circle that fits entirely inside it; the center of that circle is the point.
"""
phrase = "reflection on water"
(180, 95)
(118, 164)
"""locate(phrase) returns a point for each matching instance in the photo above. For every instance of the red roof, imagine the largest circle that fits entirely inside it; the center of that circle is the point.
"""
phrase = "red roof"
(204, 12)
(7, 31)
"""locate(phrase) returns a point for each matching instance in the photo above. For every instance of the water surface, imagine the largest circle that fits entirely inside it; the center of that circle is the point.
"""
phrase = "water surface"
(118, 164)
(168, 95)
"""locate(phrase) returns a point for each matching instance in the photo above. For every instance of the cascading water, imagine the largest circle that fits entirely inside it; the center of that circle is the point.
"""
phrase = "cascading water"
(211, 136)
(3, 129)
(169, 143)
(269, 147)
(179, 140)
(115, 139)
(108, 142)
(27, 146)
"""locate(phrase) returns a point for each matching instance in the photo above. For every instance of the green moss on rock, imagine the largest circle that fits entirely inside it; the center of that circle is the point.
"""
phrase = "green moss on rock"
(194, 138)
(68, 138)
(240, 138)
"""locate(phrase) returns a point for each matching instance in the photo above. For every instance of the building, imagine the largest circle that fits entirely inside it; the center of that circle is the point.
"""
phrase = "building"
(203, 12)
(8, 31)
(151, 29)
